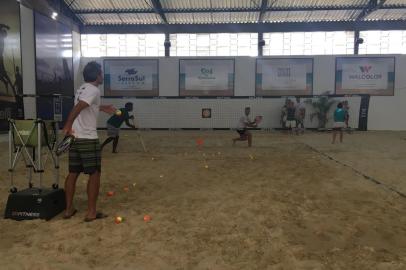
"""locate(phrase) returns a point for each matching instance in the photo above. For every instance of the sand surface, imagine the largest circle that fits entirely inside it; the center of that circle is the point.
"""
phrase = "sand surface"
(283, 204)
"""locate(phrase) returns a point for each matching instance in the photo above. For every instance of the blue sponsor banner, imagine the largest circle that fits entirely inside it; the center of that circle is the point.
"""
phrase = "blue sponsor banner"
(131, 77)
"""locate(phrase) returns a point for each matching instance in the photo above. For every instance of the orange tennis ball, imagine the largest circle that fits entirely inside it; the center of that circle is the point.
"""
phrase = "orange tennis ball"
(118, 220)
(147, 218)
(200, 142)
(110, 193)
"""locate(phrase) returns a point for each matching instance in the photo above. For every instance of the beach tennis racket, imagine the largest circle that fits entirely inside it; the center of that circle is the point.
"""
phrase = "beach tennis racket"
(139, 136)
(64, 145)
(258, 119)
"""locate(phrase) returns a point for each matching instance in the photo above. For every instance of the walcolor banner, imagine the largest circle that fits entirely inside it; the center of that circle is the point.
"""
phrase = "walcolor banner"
(365, 75)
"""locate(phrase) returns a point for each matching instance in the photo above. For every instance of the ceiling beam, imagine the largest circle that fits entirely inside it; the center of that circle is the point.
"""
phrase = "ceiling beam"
(371, 7)
(158, 9)
(248, 27)
(253, 9)
(264, 5)
(194, 10)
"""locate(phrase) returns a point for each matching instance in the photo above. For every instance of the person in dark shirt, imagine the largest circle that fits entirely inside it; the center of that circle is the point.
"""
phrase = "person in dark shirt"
(114, 123)
(291, 117)
(339, 122)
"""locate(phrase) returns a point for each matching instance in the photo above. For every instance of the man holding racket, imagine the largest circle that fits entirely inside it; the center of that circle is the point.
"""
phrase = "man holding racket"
(244, 123)
(114, 123)
(84, 153)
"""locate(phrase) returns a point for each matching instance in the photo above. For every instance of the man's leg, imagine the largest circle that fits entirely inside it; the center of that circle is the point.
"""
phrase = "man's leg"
(249, 136)
(70, 185)
(242, 138)
(93, 186)
(341, 135)
(107, 141)
(334, 136)
(115, 143)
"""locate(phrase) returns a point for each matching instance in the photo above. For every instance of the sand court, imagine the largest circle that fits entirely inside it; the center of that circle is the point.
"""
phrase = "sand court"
(278, 205)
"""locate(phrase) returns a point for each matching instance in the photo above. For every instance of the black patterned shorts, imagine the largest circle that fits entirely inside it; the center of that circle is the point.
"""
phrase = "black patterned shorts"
(85, 156)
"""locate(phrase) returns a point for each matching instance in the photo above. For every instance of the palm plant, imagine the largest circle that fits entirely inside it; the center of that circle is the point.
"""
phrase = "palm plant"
(321, 108)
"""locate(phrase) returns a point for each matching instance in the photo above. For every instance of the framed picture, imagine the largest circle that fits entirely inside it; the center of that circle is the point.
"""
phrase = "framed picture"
(284, 77)
(206, 77)
(131, 77)
(365, 76)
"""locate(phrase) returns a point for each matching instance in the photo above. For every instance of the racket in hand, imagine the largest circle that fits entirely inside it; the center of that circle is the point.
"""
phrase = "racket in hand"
(258, 119)
(64, 145)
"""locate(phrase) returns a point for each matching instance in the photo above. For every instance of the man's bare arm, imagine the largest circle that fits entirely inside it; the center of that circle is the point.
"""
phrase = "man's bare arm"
(67, 129)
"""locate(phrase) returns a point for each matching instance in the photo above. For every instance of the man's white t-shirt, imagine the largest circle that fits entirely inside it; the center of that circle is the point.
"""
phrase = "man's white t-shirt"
(244, 120)
(85, 124)
(298, 108)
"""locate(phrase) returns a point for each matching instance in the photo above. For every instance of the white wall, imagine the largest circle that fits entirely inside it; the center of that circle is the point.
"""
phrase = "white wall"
(186, 113)
(387, 113)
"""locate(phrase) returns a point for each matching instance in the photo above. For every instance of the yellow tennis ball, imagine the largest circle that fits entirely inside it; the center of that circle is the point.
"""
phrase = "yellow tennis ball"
(118, 113)
(118, 220)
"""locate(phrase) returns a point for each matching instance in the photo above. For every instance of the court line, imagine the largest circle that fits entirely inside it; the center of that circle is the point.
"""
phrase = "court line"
(367, 177)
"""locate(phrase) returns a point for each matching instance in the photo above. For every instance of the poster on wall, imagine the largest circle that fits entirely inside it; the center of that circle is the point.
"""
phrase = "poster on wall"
(284, 77)
(204, 77)
(54, 72)
(11, 81)
(131, 78)
(365, 75)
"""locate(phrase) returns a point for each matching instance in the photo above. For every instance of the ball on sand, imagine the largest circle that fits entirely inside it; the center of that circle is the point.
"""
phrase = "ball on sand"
(118, 112)
(147, 218)
(161, 176)
(118, 220)
(126, 189)
(152, 158)
(110, 193)
(206, 166)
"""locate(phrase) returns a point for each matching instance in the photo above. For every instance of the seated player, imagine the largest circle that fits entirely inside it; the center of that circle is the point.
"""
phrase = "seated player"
(243, 124)
(114, 123)
(291, 118)
(300, 116)
(284, 115)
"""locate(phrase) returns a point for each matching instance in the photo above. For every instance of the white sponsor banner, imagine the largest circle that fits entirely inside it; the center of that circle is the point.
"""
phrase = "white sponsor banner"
(369, 74)
(206, 75)
(283, 76)
(131, 75)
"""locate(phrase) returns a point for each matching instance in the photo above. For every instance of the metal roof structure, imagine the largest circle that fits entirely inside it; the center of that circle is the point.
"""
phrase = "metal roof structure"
(237, 15)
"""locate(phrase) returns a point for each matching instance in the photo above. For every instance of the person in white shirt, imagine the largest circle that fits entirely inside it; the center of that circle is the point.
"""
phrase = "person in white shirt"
(242, 128)
(300, 112)
(84, 154)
